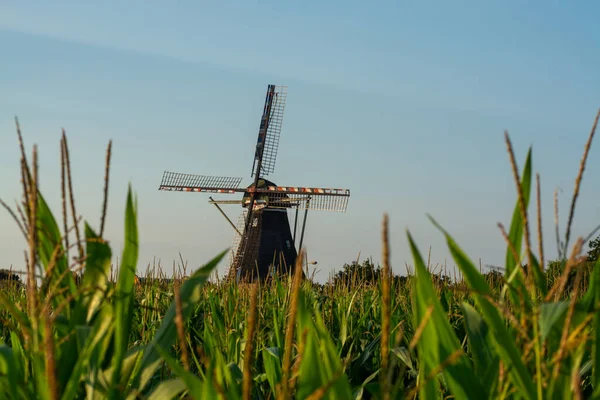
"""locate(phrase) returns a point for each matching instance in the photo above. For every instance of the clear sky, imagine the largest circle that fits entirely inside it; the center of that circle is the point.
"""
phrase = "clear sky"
(403, 103)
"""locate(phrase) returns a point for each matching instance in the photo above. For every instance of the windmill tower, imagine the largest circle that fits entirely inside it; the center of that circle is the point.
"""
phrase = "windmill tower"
(263, 241)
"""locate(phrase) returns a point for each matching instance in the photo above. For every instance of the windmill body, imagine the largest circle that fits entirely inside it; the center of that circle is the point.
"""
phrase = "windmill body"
(264, 242)
(270, 246)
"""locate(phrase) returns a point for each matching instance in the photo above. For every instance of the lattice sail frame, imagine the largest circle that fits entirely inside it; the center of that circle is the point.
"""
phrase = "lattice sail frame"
(175, 181)
(317, 199)
(273, 132)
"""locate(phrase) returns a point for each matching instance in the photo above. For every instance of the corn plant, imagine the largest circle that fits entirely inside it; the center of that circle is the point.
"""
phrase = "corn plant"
(72, 340)
(524, 342)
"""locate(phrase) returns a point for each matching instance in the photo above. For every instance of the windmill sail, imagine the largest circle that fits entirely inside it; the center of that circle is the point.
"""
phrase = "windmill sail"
(318, 199)
(175, 181)
(312, 202)
(270, 130)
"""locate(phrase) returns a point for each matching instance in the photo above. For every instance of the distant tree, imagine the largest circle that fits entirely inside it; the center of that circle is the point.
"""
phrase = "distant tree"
(8, 277)
(594, 251)
(555, 270)
(365, 272)
(440, 279)
(494, 278)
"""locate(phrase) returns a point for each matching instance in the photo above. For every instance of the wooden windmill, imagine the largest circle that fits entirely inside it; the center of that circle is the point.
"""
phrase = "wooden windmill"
(265, 243)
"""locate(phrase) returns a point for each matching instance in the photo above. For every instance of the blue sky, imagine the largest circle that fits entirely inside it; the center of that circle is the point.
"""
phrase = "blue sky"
(405, 104)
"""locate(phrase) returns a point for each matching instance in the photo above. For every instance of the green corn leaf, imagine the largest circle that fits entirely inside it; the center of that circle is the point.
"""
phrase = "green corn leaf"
(345, 321)
(217, 317)
(365, 356)
(50, 239)
(228, 375)
(358, 393)
(20, 356)
(506, 347)
(210, 343)
(145, 376)
(403, 355)
(125, 289)
(100, 332)
(340, 386)
(588, 300)
(97, 271)
(577, 361)
(8, 370)
(128, 365)
(552, 319)
(60, 285)
(595, 286)
(438, 340)
(515, 234)
(551, 314)
(312, 374)
(539, 276)
(272, 365)
(562, 387)
(235, 374)
(278, 322)
(429, 388)
(42, 389)
(196, 388)
(93, 286)
(485, 358)
(82, 333)
(170, 389)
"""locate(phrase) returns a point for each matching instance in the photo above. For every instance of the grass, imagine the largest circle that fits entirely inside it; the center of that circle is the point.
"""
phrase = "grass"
(525, 333)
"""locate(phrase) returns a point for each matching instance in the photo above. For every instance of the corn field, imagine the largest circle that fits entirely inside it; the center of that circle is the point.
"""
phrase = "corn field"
(85, 330)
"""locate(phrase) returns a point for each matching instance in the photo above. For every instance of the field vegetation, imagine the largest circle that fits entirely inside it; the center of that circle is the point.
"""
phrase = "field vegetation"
(77, 326)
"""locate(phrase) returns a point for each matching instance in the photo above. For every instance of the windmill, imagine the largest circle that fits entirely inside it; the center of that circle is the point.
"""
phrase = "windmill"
(263, 239)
